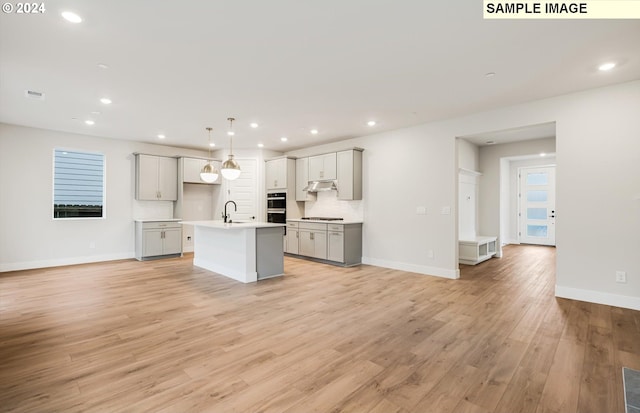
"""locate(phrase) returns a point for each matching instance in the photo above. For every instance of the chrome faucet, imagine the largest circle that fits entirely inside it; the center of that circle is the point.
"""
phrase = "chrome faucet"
(226, 217)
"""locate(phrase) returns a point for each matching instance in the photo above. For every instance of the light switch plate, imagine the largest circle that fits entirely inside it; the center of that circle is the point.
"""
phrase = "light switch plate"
(446, 210)
(421, 210)
(621, 276)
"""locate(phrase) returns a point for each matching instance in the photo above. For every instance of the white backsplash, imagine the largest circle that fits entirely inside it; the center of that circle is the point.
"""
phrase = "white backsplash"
(152, 209)
(328, 205)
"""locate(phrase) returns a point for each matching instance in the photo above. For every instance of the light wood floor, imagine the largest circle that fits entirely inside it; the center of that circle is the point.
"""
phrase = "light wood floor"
(165, 336)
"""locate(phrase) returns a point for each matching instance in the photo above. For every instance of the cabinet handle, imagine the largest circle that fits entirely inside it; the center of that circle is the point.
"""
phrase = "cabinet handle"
(296, 234)
(311, 236)
(321, 174)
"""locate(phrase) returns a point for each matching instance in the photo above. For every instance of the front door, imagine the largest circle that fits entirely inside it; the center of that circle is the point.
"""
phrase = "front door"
(537, 214)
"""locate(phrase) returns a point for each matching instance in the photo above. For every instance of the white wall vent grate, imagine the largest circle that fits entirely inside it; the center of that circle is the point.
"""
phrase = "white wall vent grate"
(32, 94)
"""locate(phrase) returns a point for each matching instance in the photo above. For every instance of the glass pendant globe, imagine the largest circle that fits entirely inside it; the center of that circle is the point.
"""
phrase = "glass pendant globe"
(230, 169)
(209, 173)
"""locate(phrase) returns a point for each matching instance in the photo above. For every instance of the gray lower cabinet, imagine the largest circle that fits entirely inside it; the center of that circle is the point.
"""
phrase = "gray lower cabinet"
(292, 238)
(158, 239)
(334, 243)
(335, 247)
(312, 243)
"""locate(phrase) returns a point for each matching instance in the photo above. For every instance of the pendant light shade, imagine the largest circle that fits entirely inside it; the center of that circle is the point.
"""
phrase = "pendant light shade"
(230, 168)
(209, 173)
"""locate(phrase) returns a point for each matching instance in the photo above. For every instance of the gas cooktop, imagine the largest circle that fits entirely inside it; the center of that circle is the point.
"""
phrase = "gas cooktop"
(322, 219)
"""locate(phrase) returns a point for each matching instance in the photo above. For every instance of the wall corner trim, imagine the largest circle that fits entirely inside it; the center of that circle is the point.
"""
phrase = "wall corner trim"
(597, 297)
(415, 268)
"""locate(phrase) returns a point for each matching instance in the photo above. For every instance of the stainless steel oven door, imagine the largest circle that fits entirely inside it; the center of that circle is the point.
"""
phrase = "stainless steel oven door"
(277, 216)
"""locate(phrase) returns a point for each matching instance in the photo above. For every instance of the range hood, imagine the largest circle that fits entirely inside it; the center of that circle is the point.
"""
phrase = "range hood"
(319, 186)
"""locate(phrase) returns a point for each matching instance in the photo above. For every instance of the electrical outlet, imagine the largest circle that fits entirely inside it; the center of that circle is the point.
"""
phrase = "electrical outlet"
(188, 238)
(92, 244)
(430, 254)
(621, 276)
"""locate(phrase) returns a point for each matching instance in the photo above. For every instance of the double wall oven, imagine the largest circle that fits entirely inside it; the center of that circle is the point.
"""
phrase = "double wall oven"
(277, 207)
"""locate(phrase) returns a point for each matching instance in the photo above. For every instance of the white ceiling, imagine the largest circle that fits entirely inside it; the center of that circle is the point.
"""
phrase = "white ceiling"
(177, 67)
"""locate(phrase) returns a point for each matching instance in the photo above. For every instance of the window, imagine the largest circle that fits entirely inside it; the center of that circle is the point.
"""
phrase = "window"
(78, 184)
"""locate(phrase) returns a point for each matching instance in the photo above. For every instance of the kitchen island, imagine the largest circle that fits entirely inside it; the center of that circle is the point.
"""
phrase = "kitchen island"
(244, 251)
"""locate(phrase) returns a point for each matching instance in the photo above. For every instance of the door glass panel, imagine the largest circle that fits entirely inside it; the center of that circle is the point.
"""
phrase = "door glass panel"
(537, 196)
(536, 213)
(537, 231)
(538, 178)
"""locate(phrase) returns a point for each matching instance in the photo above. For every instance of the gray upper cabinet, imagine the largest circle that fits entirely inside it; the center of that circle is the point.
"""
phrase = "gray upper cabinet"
(322, 167)
(191, 168)
(276, 174)
(349, 171)
(302, 180)
(156, 178)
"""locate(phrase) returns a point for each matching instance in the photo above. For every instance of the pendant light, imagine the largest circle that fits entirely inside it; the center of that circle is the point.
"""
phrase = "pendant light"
(230, 168)
(209, 173)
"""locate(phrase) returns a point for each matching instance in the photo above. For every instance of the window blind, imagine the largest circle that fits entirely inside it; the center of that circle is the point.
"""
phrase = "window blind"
(78, 186)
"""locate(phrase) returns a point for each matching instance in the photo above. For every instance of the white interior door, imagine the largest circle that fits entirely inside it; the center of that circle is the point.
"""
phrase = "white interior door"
(244, 191)
(537, 214)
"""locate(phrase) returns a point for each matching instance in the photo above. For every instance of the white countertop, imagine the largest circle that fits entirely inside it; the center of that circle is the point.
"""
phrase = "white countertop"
(158, 220)
(233, 225)
(319, 221)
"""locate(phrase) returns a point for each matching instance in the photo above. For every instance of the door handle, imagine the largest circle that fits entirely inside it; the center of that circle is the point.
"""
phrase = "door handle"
(552, 216)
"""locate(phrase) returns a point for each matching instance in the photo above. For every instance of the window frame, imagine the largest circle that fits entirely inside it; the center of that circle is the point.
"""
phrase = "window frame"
(53, 184)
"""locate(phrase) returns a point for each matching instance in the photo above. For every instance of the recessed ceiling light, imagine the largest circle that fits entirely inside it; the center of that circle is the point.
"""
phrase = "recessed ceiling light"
(231, 133)
(371, 123)
(161, 136)
(71, 17)
(253, 125)
(283, 139)
(261, 145)
(105, 101)
(490, 74)
(543, 154)
(314, 131)
(212, 144)
(89, 122)
(103, 65)
(606, 66)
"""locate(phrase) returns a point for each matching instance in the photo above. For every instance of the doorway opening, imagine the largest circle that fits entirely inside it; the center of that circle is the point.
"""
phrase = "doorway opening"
(497, 159)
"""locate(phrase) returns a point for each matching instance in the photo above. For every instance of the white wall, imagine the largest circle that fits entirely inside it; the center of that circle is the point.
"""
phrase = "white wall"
(30, 238)
(468, 155)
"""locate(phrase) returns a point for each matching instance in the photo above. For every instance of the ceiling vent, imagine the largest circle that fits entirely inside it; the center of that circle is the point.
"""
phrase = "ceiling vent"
(32, 94)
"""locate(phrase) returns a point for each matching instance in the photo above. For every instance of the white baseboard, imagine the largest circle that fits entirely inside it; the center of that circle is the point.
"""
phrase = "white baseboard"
(30, 265)
(598, 297)
(420, 269)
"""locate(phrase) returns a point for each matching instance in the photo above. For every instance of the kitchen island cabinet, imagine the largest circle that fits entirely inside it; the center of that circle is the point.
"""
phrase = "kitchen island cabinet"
(243, 251)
